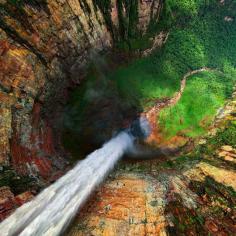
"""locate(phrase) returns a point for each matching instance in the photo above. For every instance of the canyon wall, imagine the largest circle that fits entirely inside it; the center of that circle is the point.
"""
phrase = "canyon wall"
(45, 47)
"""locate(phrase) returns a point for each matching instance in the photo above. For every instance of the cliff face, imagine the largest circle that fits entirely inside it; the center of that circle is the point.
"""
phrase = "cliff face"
(39, 44)
(44, 48)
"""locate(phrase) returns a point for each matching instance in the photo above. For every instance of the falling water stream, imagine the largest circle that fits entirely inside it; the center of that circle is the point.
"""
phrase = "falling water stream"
(51, 211)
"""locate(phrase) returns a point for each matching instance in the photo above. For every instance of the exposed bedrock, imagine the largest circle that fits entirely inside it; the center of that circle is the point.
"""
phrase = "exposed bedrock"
(45, 48)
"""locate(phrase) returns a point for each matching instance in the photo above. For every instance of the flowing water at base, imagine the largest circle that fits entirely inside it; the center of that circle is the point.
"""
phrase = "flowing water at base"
(51, 211)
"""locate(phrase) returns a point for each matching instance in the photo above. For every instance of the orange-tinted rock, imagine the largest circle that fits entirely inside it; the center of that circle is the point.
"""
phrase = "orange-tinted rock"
(211, 226)
(23, 198)
(9, 202)
(34, 160)
(6, 208)
(5, 194)
(4, 47)
(31, 141)
(129, 205)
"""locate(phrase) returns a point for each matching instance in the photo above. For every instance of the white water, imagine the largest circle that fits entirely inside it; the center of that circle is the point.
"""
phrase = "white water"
(51, 211)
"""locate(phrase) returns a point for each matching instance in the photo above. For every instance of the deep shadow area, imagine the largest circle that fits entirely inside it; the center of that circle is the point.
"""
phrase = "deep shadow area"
(96, 111)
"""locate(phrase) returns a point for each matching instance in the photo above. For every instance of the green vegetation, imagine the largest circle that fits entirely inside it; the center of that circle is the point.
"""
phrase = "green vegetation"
(126, 35)
(203, 40)
(223, 137)
(199, 36)
(214, 46)
(217, 200)
(203, 95)
(138, 83)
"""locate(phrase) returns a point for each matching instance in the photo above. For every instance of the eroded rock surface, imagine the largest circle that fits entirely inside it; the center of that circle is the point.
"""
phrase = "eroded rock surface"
(188, 195)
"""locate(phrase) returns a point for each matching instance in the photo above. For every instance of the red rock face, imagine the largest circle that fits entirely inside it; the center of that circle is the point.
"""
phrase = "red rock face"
(35, 157)
(30, 138)
(9, 202)
(26, 160)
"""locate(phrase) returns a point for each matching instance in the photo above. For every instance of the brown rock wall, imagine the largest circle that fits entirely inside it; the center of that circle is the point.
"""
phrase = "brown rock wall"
(44, 46)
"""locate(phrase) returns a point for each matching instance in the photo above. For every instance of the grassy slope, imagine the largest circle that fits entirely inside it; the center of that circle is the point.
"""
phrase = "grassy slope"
(203, 95)
(214, 46)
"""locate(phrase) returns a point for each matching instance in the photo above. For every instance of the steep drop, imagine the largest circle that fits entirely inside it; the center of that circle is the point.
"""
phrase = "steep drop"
(51, 211)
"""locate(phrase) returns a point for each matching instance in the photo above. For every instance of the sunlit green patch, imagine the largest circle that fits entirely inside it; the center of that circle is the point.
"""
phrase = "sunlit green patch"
(204, 94)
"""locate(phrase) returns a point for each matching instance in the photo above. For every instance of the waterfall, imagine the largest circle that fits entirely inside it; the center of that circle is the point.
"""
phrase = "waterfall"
(51, 211)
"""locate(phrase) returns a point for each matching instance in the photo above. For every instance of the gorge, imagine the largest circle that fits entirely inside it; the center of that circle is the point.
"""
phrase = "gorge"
(75, 74)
